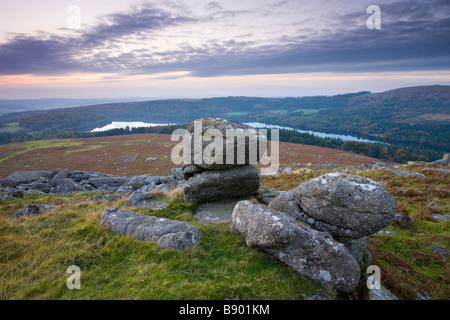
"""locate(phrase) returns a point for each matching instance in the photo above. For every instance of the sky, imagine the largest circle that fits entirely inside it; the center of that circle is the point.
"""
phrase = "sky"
(196, 49)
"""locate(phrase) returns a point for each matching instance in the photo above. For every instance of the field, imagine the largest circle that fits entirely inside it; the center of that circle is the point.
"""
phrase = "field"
(127, 155)
(11, 127)
(35, 253)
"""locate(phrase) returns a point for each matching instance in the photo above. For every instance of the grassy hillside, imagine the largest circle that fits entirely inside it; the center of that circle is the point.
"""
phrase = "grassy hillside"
(35, 253)
(416, 116)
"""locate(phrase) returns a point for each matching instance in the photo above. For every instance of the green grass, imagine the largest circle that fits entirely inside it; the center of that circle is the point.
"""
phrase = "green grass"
(87, 148)
(307, 111)
(35, 254)
(11, 127)
(41, 144)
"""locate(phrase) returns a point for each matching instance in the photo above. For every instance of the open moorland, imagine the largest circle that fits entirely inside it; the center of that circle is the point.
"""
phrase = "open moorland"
(36, 252)
(140, 154)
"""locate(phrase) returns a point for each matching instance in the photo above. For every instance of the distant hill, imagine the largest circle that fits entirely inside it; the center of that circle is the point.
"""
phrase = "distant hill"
(415, 116)
(407, 105)
(20, 105)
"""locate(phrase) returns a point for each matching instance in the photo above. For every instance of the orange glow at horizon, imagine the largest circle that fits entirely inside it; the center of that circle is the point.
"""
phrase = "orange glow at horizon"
(27, 79)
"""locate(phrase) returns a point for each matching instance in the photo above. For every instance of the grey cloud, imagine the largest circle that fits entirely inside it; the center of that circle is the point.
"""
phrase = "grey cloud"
(58, 55)
(414, 36)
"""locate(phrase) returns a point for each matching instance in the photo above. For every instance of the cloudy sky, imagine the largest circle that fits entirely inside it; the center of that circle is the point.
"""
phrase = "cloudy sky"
(195, 48)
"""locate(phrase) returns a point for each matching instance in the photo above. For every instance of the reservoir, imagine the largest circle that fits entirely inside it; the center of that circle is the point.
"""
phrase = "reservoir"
(137, 124)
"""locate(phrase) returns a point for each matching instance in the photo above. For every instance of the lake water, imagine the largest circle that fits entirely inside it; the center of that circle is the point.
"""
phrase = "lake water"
(318, 134)
(137, 124)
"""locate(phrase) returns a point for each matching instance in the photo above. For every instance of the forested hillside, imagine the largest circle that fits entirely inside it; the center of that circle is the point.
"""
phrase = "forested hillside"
(416, 117)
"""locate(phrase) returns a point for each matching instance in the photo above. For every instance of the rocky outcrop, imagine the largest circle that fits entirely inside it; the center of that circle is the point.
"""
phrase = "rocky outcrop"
(34, 209)
(222, 184)
(310, 252)
(227, 175)
(23, 177)
(170, 234)
(345, 205)
(320, 228)
(66, 186)
(67, 182)
(226, 128)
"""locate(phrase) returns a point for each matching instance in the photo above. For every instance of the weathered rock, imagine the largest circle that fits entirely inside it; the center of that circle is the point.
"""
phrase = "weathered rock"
(404, 173)
(225, 128)
(21, 177)
(145, 199)
(77, 175)
(178, 240)
(287, 170)
(267, 195)
(345, 205)
(66, 186)
(41, 184)
(109, 182)
(381, 294)
(178, 235)
(167, 184)
(441, 217)
(177, 174)
(136, 182)
(357, 248)
(189, 170)
(312, 253)
(59, 177)
(222, 184)
(34, 209)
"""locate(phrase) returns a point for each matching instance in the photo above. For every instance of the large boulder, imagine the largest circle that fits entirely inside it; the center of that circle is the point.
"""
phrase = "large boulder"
(229, 131)
(222, 184)
(342, 204)
(170, 233)
(310, 252)
(22, 177)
